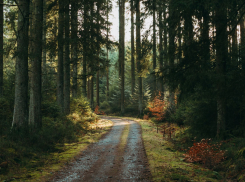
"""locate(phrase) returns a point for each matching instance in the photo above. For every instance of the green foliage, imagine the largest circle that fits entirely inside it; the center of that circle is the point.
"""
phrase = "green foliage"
(50, 109)
(81, 107)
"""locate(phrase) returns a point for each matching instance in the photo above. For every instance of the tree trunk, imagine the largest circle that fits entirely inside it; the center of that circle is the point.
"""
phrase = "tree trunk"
(84, 75)
(35, 116)
(74, 26)
(1, 47)
(138, 52)
(234, 52)
(160, 49)
(92, 92)
(60, 80)
(67, 61)
(122, 49)
(98, 54)
(20, 116)
(107, 51)
(165, 45)
(221, 56)
(242, 26)
(154, 49)
(44, 61)
(132, 48)
(171, 50)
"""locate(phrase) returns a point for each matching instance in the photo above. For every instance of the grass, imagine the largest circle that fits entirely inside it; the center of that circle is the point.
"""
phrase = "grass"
(41, 166)
(166, 163)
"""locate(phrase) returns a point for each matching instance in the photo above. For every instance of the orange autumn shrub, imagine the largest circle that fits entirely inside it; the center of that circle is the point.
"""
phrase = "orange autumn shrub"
(158, 107)
(97, 111)
(206, 153)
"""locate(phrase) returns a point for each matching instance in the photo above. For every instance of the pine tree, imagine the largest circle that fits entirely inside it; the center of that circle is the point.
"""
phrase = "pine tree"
(20, 118)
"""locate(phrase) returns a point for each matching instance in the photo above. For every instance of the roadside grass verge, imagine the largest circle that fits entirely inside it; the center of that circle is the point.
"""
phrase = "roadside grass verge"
(166, 163)
(27, 164)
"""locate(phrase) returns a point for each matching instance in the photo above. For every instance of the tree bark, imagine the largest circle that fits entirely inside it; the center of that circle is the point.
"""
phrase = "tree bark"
(107, 50)
(154, 49)
(74, 42)
(67, 61)
(221, 59)
(35, 115)
(1, 47)
(242, 26)
(171, 50)
(60, 80)
(138, 52)
(44, 50)
(160, 48)
(132, 48)
(84, 75)
(20, 116)
(122, 49)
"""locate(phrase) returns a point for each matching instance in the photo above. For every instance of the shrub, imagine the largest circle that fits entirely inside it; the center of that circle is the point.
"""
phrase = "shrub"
(158, 108)
(206, 153)
(80, 106)
(50, 109)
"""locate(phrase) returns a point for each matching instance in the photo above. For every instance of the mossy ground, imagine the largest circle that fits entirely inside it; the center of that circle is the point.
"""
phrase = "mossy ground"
(40, 166)
(166, 163)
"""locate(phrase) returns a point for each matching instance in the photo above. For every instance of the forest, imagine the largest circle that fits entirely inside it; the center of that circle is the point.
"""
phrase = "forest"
(181, 65)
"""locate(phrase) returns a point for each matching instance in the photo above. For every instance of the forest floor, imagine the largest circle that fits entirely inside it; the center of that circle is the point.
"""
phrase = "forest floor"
(130, 150)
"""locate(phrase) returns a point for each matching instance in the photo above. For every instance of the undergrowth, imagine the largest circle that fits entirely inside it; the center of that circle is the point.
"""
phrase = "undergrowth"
(23, 153)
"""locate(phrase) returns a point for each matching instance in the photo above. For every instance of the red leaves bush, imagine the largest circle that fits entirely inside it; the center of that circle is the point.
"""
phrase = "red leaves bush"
(98, 112)
(206, 153)
(157, 107)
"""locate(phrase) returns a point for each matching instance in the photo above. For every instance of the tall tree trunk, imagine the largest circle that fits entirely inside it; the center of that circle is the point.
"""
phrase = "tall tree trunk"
(74, 42)
(234, 52)
(107, 50)
(160, 48)
(84, 75)
(138, 52)
(221, 56)
(60, 80)
(44, 58)
(154, 49)
(92, 92)
(132, 47)
(98, 54)
(242, 26)
(67, 60)
(122, 49)
(1, 47)
(205, 37)
(35, 116)
(20, 116)
(171, 50)
(165, 45)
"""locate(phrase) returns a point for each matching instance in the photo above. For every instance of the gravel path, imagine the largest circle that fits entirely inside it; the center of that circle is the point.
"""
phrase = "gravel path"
(107, 161)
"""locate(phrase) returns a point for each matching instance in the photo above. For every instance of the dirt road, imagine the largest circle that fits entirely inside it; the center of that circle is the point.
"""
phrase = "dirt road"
(110, 159)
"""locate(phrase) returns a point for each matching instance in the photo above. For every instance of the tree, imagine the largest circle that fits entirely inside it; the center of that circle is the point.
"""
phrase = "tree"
(67, 60)
(20, 116)
(60, 77)
(121, 49)
(74, 46)
(161, 53)
(132, 47)
(154, 47)
(138, 57)
(171, 50)
(221, 59)
(1, 47)
(35, 117)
